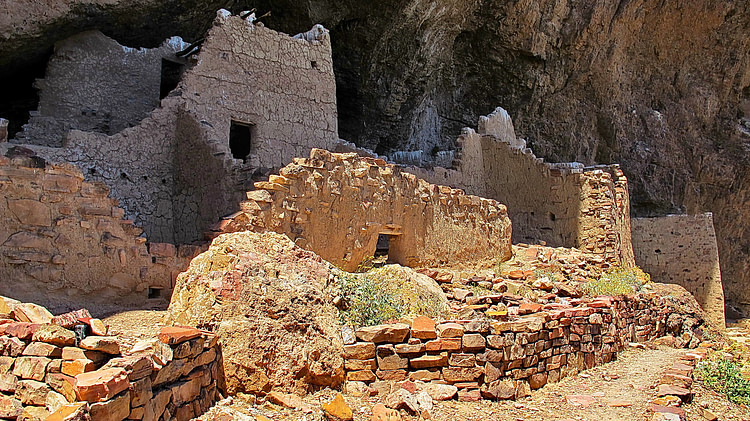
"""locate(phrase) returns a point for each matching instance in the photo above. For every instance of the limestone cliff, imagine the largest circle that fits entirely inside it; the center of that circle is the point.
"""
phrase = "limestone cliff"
(661, 87)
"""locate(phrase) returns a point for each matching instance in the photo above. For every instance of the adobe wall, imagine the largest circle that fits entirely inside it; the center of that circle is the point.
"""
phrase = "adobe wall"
(64, 243)
(336, 205)
(174, 172)
(564, 205)
(94, 84)
(681, 249)
(507, 359)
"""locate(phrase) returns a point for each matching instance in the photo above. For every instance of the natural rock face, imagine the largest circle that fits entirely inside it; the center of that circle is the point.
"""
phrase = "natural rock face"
(270, 303)
(662, 88)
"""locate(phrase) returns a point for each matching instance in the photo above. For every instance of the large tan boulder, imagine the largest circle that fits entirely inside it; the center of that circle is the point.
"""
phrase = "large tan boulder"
(270, 302)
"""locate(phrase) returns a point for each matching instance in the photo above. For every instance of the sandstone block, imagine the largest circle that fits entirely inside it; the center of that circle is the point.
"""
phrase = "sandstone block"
(101, 385)
(462, 360)
(33, 368)
(55, 401)
(381, 413)
(71, 353)
(450, 330)
(360, 364)
(402, 399)
(473, 342)
(410, 349)
(338, 410)
(462, 374)
(360, 376)
(443, 344)
(20, 330)
(170, 372)
(537, 380)
(105, 344)
(469, 395)
(184, 392)
(172, 335)
(42, 349)
(8, 383)
(424, 375)
(160, 352)
(429, 361)
(499, 389)
(11, 346)
(62, 384)
(75, 367)
(477, 326)
(77, 411)
(388, 359)
(360, 351)
(492, 372)
(391, 375)
(70, 319)
(440, 392)
(116, 409)
(34, 413)
(684, 394)
(189, 349)
(10, 407)
(32, 392)
(392, 333)
(31, 212)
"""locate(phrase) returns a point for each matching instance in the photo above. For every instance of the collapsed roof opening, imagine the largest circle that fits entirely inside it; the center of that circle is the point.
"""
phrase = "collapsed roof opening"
(171, 72)
(240, 139)
(20, 96)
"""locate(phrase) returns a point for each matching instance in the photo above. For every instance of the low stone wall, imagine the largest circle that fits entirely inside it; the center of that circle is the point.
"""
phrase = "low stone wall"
(682, 250)
(337, 205)
(45, 372)
(476, 359)
(64, 244)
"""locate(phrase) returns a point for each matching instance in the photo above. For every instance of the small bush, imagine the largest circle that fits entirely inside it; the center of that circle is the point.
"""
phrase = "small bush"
(725, 377)
(617, 281)
(367, 303)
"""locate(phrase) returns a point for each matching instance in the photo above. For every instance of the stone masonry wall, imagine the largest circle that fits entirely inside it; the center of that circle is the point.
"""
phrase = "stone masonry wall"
(337, 205)
(564, 205)
(94, 84)
(64, 243)
(45, 371)
(681, 249)
(174, 172)
(506, 359)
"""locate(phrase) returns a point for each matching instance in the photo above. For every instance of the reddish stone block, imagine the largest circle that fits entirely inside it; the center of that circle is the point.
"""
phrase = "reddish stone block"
(101, 385)
(423, 327)
(173, 335)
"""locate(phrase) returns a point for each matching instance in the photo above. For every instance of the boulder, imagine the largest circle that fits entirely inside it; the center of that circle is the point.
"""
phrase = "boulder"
(393, 333)
(292, 342)
(55, 335)
(338, 410)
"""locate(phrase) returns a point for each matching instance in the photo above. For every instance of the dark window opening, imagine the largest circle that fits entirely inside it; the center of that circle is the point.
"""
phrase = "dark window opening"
(381, 249)
(240, 140)
(657, 251)
(552, 216)
(171, 72)
(154, 292)
(314, 64)
(20, 96)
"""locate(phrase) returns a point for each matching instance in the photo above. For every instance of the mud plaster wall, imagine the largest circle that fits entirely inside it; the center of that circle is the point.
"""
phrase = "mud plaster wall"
(564, 205)
(92, 83)
(174, 172)
(64, 244)
(337, 204)
(681, 249)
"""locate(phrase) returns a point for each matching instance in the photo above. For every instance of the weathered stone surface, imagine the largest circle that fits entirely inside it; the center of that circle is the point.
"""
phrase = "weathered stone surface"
(666, 389)
(55, 335)
(34, 413)
(382, 413)
(388, 359)
(161, 353)
(393, 333)
(140, 391)
(360, 364)
(429, 361)
(10, 407)
(462, 374)
(137, 366)
(450, 330)
(75, 367)
(105, 344)
(189, 348)
(63, 384)
(73, 353)
(473, 342)
(41, 349)
(462, 360)
(21, 330)
(11, 346)
(55, 401)
(500, 389)
(170, 372)
(115, 409)
(33, 368)
(360, 351)
(32, 392)
(76, 411)
(101, 385)
(402, 399)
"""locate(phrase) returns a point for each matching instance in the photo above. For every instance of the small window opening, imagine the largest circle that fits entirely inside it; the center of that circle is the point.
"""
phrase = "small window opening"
(381, 250)
(154, 292)
(240, 140)
(314, 64)
(171, 72)
(552, 216)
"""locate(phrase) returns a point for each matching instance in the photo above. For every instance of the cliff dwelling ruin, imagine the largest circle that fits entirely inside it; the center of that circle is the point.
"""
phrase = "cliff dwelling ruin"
(205, 172)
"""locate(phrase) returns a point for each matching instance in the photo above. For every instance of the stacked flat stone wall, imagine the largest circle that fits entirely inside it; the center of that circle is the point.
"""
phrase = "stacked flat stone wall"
(506, 359)
(174, 171)
(45, 372)
(337, 205)
(562, 205)
(681, 249)
(64, 243)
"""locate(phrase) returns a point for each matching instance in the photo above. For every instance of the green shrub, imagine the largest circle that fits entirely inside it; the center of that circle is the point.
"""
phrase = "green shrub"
(725, 377)
(617, 281)
(367, 303)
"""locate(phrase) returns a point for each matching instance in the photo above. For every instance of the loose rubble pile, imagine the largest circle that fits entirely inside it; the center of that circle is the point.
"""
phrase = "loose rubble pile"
(49, 372)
